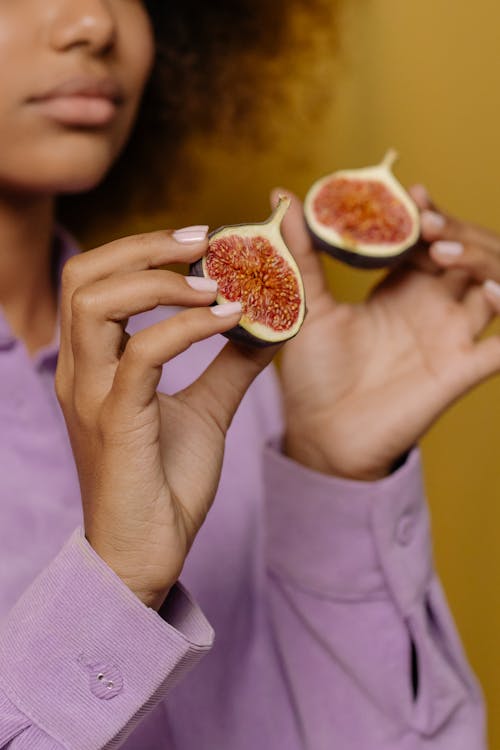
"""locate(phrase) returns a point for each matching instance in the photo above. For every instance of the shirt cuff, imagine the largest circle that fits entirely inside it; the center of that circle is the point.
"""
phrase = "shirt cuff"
(85, 659)
(346, 539)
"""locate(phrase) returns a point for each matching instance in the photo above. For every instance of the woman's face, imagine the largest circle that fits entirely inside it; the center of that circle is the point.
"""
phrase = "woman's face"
(72, 75)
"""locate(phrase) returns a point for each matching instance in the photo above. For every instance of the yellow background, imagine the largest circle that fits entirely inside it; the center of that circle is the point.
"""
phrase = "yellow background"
(423, 77)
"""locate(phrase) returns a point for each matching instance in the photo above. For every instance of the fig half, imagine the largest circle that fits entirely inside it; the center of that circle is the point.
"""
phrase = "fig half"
(363, 217)
(252, 265)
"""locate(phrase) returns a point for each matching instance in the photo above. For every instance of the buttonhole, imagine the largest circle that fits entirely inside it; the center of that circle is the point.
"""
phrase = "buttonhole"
(414, 669)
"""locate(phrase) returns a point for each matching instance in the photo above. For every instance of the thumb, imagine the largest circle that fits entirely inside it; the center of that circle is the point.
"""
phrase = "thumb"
(219, 390)
(298, 240)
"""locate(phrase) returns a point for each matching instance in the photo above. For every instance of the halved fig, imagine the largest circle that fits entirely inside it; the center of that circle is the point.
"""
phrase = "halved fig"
(252, 265)
(363, 217)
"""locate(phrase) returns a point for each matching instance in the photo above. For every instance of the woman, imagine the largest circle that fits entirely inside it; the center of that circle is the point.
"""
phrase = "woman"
(313, 565)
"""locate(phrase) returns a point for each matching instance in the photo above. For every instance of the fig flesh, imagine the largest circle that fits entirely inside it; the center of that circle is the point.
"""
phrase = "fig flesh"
(252, 265)
(363, 217)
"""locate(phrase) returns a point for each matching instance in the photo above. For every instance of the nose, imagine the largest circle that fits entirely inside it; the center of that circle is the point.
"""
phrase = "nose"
(88, 24)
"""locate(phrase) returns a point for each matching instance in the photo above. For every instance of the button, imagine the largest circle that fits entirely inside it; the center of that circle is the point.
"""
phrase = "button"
(405, 529)
(105, 678)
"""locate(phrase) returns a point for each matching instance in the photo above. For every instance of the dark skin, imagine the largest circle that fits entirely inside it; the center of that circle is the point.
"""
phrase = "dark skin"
(345, 377)
(118, 424)
(462, 246)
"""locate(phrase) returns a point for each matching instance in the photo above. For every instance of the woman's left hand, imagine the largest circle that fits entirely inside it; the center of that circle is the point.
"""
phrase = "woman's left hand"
(362, 383)
(460, 245)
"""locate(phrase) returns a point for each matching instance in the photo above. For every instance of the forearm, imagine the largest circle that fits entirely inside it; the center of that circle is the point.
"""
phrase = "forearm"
(81, 658)
(352, 593)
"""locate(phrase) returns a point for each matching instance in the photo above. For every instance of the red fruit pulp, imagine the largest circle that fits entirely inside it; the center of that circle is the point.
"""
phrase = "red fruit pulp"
(250, 270)
(362, 211)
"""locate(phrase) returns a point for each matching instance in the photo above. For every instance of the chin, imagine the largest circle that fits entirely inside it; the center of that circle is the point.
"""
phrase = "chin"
(57, 183)
(71, 165)
(80, 168)
(79, 181)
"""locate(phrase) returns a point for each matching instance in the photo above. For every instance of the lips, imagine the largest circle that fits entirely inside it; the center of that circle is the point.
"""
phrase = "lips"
(81, 101)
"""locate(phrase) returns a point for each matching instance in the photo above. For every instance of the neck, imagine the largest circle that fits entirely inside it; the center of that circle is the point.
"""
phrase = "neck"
(27, 295)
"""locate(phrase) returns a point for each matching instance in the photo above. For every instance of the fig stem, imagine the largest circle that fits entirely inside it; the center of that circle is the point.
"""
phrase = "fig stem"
(390, 158)
(281, 208)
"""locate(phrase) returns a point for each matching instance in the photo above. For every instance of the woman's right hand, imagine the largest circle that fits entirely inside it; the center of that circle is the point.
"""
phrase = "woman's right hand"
(149, 464)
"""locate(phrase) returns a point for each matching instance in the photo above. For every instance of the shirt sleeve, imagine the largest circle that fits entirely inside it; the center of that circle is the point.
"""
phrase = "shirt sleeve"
(82, 660)
(364, 634)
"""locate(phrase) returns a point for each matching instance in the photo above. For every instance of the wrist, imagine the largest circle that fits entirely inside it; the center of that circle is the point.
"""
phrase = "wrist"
(307, 452)
(151, 593)
(152, 599)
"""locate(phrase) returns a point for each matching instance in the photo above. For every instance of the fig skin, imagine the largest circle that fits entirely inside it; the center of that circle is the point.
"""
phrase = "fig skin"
(358, 260)
(271, 230)
(361, 257)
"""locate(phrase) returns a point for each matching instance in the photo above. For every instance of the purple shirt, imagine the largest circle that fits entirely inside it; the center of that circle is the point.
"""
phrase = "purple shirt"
(316, 588)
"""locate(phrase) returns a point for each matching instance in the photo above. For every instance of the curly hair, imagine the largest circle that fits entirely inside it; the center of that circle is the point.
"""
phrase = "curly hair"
(210, 75)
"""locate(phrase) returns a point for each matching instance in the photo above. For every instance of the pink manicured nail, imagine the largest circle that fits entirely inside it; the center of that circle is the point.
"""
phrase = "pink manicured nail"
(226, 309)
(186, 235)
(420, 195)
(493, 287)
(450, 249)
(432, 222)
(201, 284)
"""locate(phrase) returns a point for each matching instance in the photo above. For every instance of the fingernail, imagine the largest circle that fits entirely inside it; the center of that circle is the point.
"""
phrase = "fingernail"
(448, 248)
(432, 222)
(420, 195)
(493, 287)
(186, 235)
(226, 309)
(201, 284)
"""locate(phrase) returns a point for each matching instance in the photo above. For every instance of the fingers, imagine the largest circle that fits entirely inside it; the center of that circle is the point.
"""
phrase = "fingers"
(221, 387)
(420, 259)
(491, 291)
(124, 256)
(455, 281)
(136, 253)
(421, 197)
(479, 309)
(480, 262)
(437, 225)
(298, 240)
(139, 370)
(483, 361)
(457, 245)
(482, 304)
(99, 312)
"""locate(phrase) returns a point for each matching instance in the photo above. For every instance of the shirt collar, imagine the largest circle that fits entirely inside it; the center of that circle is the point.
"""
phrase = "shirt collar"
(7, 338)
